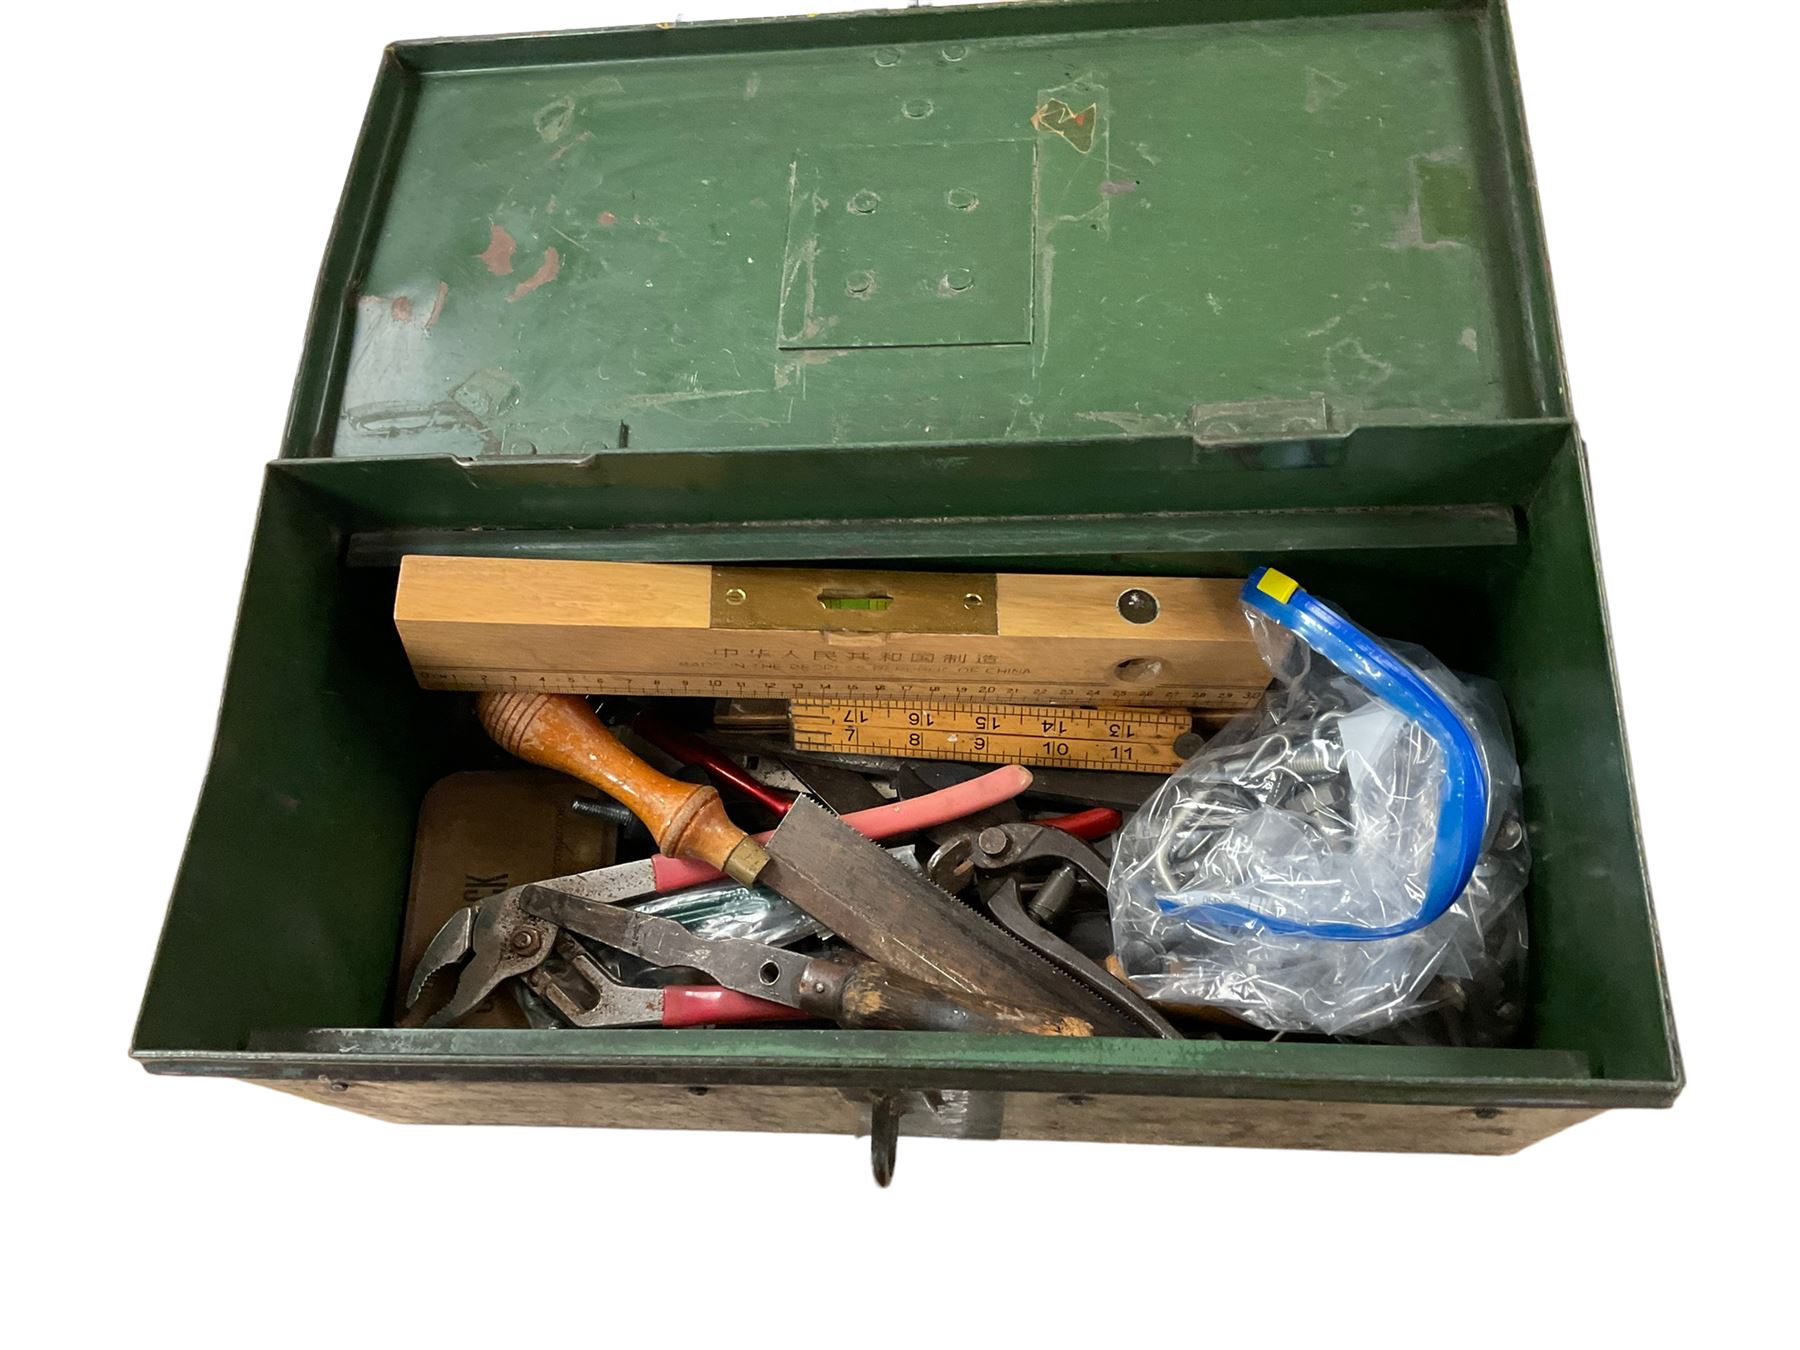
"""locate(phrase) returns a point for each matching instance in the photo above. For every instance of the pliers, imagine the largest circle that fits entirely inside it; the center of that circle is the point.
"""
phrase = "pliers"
(513, 933)
(999, 852)
(584, 995)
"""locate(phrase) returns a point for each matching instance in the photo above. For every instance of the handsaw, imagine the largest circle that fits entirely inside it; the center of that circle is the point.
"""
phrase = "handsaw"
(909, 925)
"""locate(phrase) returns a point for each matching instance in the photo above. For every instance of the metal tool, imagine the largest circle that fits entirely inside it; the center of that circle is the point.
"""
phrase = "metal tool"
(814, 859)
(511, 934)
(1000, 853)
(844, 790)
(1003, 845)
(1132, 739)
(904, 922)
(1093, 824)
(1076, 787)
(598, 1000)
(890, 820)
(726, 909)
(751, 714)
(690, 749)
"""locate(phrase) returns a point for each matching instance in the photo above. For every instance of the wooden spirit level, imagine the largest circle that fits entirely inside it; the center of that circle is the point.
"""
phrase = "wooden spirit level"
(753, 632)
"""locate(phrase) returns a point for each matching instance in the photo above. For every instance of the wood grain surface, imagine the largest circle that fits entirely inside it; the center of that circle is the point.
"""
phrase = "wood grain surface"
(604, 627)
(1254, 1123)
(560, 731)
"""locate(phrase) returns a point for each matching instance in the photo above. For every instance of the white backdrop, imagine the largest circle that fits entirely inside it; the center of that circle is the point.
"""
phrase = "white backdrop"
(171, 174)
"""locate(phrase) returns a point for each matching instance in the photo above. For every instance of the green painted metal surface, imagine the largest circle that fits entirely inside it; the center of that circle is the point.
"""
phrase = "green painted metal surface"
(323, 751)
(303, 835)
(881, 253)
(975, 230)
(1431, 484)
(897, 1059)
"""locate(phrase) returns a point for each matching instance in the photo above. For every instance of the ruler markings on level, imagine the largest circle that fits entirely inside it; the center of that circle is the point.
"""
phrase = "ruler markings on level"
(702, 686)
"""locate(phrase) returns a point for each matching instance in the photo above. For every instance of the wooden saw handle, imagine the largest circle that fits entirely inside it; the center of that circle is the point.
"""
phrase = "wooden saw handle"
(560, 731)
(871, 996)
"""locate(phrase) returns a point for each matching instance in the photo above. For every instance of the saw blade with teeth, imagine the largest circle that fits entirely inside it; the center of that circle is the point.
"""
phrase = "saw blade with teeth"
(904, 922)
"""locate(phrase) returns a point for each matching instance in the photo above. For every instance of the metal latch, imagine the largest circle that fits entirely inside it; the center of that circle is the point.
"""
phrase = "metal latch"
(944, 1113)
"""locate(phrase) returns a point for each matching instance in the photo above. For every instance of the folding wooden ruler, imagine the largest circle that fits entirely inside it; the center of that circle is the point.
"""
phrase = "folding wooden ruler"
(994, 733)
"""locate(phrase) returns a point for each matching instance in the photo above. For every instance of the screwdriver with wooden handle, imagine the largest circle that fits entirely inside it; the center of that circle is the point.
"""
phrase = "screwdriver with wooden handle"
(560, 731)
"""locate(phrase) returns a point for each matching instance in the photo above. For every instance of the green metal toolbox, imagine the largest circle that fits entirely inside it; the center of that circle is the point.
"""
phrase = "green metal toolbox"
(1141, 286)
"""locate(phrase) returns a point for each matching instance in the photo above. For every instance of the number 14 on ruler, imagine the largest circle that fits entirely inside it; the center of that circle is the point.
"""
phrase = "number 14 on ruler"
(1119, 738)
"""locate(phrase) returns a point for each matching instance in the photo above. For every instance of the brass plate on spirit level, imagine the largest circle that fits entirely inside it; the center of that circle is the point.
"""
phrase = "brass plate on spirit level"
(842, 601)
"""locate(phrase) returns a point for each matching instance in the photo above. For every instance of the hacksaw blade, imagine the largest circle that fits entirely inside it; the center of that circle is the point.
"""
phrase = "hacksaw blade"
(909, 925)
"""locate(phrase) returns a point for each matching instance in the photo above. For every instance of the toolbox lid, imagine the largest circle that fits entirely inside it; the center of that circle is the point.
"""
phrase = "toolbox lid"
(1047, 222)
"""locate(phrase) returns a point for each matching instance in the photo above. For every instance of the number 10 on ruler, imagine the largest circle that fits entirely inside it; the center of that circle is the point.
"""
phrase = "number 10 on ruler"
(1127, 738)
